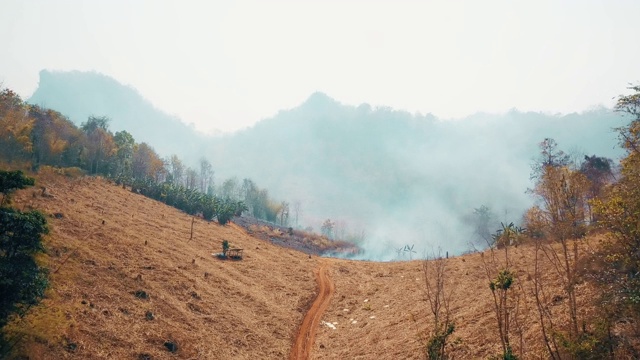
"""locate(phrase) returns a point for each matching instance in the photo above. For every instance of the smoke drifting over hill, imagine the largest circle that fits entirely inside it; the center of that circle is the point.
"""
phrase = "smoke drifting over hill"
(396, 178)
(404, 179)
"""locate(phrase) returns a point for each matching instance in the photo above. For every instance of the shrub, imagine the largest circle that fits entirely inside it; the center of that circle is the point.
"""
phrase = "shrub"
(225, 247)
(438, 341)
(11, 181)
(22, 280)
(507, 355)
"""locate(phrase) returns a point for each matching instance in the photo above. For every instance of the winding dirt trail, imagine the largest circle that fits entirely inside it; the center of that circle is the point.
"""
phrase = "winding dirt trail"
(307, 333)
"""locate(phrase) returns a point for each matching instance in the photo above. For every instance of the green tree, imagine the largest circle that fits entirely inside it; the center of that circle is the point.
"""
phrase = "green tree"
(483, 219)
(100, 144)
(22, 280)
(125, 145)
(176, 170)
(507, 235)
(248, 192)
(146, 163)
(37, 136)
(225, 247)
(499, 287)
(15, 127)
(229, 189)
(11, 181)
(226, 210)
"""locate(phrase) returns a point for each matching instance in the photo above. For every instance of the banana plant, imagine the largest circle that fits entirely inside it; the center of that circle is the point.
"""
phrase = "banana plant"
(409, 249)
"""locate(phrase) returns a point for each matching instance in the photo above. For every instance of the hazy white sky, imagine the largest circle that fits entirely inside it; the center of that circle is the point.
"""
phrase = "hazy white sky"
(227, 64)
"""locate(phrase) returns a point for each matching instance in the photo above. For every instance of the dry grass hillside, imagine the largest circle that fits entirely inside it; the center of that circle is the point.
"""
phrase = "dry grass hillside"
(380, 310)
(108, 245)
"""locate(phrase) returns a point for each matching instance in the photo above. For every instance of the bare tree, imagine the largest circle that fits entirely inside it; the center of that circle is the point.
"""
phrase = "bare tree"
(206, 175)
(542, 299)
(177, 170)
(297, 211)
(560, 220)
(563, 193)
(483, 218)
(191, 179)
(284, 213)
(340, 230)
(438, 294)
(506, 289)
(327, 228)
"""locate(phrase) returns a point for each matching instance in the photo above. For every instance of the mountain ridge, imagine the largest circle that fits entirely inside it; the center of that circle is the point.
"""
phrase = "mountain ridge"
(372, 170)
(79, 95)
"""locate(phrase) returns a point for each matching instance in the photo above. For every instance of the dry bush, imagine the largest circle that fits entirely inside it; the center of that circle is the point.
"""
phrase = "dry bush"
(438, 292)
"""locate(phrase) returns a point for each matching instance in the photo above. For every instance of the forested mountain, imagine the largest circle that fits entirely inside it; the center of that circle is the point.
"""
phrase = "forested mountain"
(395, 177)
(79, 95)
(404, 178)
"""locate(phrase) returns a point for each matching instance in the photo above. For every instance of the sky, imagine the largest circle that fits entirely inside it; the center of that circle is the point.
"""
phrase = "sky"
(224, 65)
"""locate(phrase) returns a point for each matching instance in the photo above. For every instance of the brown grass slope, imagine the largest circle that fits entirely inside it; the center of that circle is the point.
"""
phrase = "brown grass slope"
(380, 310)
(110, 243)
(247, 309)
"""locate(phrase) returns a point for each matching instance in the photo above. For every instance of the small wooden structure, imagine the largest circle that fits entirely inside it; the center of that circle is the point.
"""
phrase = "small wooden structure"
(234, 253)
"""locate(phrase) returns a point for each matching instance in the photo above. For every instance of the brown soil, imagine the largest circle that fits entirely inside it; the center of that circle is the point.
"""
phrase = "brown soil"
(380, 310)
(108, 245)
(307, 333)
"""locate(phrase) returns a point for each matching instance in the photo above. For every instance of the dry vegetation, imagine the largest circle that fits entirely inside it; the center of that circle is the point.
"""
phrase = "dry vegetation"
(381, 311)
(108, 245)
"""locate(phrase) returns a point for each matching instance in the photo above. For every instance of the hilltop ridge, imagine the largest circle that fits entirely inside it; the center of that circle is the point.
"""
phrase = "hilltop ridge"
(80, 94)
(379, 174)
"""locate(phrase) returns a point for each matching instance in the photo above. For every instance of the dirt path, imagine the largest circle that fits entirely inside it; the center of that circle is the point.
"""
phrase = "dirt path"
(307, 333)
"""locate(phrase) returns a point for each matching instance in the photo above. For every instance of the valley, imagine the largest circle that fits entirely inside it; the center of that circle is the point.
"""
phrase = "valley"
(126, 280)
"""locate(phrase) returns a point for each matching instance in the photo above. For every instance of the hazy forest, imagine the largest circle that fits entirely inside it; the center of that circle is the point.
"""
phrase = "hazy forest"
(381, 177)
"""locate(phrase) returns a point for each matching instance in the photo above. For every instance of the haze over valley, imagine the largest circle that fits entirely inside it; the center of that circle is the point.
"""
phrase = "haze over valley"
(394, 122)
(385, 177)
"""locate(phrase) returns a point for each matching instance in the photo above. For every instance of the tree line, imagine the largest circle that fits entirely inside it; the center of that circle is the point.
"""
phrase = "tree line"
(32, 136)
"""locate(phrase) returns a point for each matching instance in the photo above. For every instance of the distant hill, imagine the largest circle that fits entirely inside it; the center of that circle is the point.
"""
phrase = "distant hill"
(79, 95)
(398, 178)
(403, 178)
